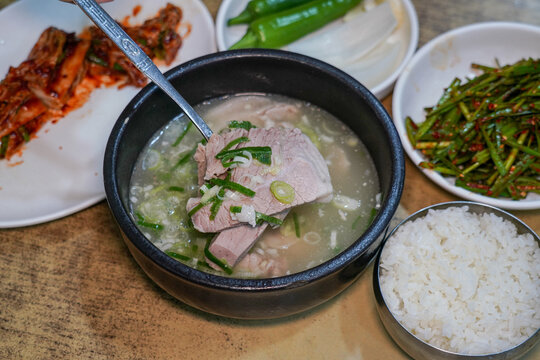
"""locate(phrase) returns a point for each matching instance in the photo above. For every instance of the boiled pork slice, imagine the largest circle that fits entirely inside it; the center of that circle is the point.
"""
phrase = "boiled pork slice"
(232, 244)
(295, 161)
(209, 166)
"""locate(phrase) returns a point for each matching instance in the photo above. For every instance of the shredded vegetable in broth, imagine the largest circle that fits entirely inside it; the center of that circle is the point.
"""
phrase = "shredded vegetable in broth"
(165, 177)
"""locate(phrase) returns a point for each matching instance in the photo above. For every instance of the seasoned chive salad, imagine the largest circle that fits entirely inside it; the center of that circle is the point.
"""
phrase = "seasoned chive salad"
(484, 131)
(165, 177)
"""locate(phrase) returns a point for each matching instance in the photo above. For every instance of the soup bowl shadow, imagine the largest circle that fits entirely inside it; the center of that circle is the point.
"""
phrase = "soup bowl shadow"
(255, 71)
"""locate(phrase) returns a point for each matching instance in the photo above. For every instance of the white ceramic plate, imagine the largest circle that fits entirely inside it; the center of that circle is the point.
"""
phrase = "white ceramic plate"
(60, 172)
(448, 56)
(404, 40)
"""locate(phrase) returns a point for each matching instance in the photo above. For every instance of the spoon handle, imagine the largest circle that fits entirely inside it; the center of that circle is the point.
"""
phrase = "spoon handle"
(129, 47)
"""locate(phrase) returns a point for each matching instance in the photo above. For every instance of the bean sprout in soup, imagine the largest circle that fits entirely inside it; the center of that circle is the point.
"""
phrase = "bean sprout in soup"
(165, 177)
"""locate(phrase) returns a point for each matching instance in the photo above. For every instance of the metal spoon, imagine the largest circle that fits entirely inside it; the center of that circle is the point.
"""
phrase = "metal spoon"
(106, 23)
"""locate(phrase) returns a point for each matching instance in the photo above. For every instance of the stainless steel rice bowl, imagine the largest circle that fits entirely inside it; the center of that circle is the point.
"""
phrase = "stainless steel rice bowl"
(412, 343)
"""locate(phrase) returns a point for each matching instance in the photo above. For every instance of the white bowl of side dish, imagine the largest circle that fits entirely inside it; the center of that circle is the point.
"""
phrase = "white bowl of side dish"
(460, 280)
(440, 61)
(380, 65)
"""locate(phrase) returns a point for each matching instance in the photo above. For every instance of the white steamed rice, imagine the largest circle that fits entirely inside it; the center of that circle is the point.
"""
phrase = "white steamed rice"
(463, 282)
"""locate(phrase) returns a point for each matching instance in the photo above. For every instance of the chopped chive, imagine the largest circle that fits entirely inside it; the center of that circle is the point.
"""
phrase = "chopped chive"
(184, 132)
(296, 225)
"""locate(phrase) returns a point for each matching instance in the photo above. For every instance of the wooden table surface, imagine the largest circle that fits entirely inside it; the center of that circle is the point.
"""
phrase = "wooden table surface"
(70, 289)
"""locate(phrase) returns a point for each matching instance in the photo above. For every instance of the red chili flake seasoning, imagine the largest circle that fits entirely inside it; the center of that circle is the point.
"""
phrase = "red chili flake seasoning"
(478, 186)
(492, 106)
(136, 10)
(476, 147)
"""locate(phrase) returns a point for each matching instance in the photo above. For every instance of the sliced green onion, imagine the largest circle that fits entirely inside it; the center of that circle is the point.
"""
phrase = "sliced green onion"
(355, 222)
(283, 192)
(184, 132)
(371, 217)
(231, 185)
(151, 160)
(142, 222)
(176, 188)
(232, 143)
(235, 209)
(195, 209)
(241, 125)
(221, 263)
(178, 256)
(184, 159)
(217, 201)
(259, 217)
(372, 214)
(262, 153)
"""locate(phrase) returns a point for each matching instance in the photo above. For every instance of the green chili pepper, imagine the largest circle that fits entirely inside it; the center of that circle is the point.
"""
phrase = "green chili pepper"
(284, 27)
(259, 8)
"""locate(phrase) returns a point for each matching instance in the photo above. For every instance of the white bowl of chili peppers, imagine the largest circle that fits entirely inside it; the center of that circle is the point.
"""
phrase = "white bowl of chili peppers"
(371, 40)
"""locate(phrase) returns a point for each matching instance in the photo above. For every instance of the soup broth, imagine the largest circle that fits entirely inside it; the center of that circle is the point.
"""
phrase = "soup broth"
(165, 177)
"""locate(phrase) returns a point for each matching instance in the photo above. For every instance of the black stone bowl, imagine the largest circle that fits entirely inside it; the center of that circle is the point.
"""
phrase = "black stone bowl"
(255, 71)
